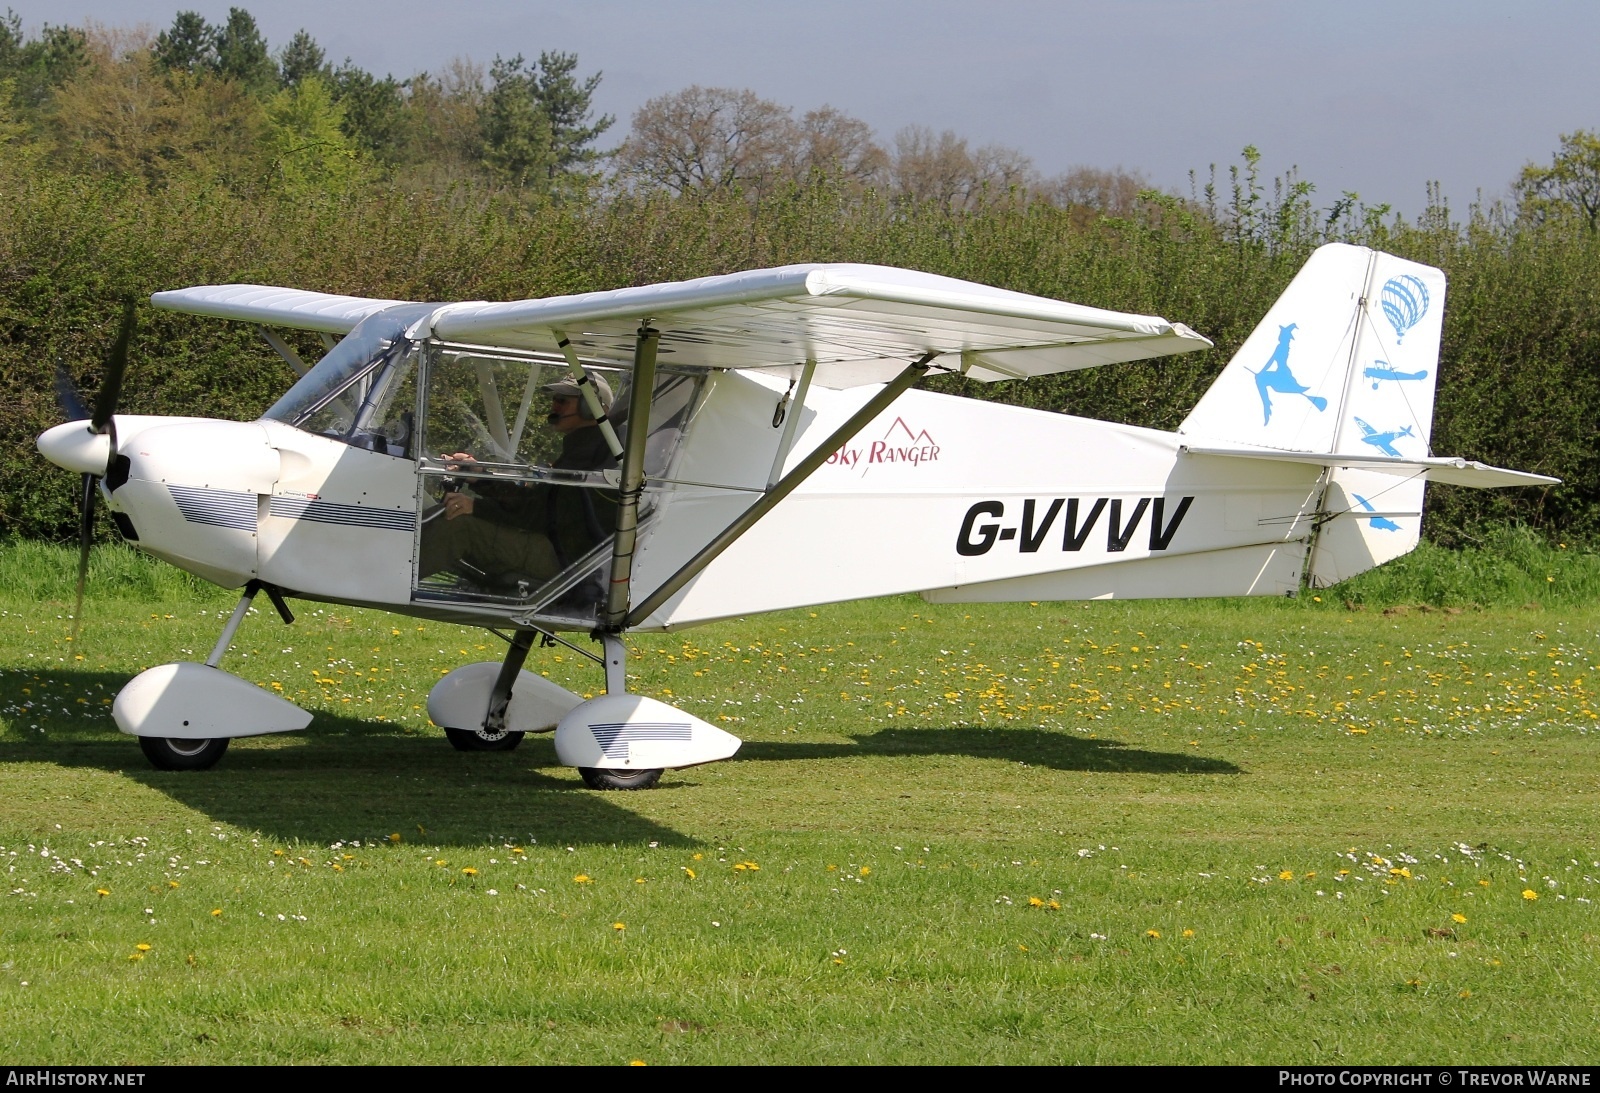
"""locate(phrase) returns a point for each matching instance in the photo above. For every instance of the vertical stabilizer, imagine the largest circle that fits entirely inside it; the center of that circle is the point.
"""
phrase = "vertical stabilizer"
(1346, 361)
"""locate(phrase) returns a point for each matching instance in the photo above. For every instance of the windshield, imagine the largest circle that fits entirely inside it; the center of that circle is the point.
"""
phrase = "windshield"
(351, 394)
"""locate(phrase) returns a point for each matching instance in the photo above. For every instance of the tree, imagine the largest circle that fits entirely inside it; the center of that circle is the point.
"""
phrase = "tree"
(301, 58)
(370, 108)
(242, 52)
(941, 169)
(709, 138)
(518, 144)
(567, 104)
(1569, 188)
(189, 45)
(833, 144)
(310, 151)
(38, 66)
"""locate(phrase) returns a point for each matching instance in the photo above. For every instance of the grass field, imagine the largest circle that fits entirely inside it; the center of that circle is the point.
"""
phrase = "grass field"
(1114, 832)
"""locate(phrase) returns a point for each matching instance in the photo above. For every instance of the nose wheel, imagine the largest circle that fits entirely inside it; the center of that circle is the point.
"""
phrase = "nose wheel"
(483, 739)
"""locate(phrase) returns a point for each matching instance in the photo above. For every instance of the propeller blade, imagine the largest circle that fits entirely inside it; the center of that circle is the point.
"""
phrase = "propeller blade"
(73, 408)
(105, 403)
(85, 540)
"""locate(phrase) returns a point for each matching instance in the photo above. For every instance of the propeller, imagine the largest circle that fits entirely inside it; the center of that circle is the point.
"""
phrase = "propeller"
(100, 422)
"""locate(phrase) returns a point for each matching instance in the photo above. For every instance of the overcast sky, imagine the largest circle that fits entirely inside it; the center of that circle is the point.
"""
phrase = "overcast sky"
(1375, 97)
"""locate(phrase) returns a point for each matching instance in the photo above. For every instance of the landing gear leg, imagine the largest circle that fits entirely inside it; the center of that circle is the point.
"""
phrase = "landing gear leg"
(616, 658)
(493, 735)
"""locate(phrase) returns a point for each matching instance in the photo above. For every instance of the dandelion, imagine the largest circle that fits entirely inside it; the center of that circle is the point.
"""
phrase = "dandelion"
(697, 857)
(1464, 994)
(1529, 894)
(1024, 948)
(865, 870)
(740, 867)
(1035, 901)
(1458, 917)
(619, 926)
(440, 862)
(1483, 884)
(1188, 933)
(172, 884)
(1287, 874)
(1154, 934)
(216, 912)
(1054, 905)
(102, 892)
(582, 878)
(469, 872)
(135, 956)
(394, 836)
(143, 946)
(277, 853)
(690, 872)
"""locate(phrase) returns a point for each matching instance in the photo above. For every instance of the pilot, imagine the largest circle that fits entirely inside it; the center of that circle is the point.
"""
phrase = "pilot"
(513, 532)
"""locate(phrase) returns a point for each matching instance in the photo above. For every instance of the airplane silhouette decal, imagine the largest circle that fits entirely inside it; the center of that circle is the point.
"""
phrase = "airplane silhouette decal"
(1382, 523)
(1384, 442)
(1378, 371)
(1275, 376)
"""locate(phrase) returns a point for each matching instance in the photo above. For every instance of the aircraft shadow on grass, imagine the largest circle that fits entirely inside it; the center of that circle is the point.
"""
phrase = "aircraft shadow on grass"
(351, 778)
(1047, 748)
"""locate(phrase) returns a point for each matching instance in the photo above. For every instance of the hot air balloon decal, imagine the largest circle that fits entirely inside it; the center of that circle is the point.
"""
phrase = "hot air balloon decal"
(1405, 302)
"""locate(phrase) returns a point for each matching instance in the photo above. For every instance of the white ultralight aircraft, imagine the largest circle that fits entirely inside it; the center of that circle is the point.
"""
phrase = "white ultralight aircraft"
(767, 453)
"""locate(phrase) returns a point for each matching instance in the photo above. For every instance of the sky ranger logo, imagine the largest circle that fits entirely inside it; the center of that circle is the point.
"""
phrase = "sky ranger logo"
(899, 445)
(1039, 517)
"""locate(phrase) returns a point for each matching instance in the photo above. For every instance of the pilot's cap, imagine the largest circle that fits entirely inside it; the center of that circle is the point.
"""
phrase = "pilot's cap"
(567, 387)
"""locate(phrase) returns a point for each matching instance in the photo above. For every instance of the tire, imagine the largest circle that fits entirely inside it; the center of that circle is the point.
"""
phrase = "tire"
(171, 754)
(475, 740)
(600, 778)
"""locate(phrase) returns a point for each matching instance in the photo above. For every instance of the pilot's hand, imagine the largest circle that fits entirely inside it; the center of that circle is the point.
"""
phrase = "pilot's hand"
(459, 460)
(457, 504)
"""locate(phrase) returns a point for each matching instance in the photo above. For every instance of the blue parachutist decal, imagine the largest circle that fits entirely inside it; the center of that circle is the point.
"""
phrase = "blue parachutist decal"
(1380, 370)
(1405, 302)
(1275, 376)
(1382, 523)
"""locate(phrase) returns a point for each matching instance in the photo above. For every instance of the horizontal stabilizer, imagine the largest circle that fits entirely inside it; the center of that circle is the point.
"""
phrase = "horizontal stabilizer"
(1449, 470)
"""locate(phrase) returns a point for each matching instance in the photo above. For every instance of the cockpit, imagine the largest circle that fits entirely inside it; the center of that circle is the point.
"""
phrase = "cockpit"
(530, 528)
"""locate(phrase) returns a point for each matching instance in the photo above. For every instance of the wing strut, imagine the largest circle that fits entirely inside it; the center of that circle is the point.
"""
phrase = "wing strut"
(639, 395)
(781, 489)
(590, 395)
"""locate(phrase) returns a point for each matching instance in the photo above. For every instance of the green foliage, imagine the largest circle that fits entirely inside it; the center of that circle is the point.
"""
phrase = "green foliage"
(1569, 188)
(311, 155)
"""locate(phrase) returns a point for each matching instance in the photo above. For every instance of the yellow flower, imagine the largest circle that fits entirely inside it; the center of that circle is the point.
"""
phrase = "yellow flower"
(689, 871)
(102, 891)
(1458, 917)
(619, 926)
(1188, 933)
(172, 884)
(440, 862)
(638, 880)
(1035, 901)
(1153, 933)
(394, 836)
(143, 946)
(697, 857)
(637, 1062)
(1053, 905)
(833, 868)
(582, 878)
(337, 868)
(740, 867)
(215, 911)
(1287, 874)
(1464, 994)
(866, 869)
(469, 872)
(277, 853)
(135, 956)
(1529, 893)
(1024, 948)
(1483, 884)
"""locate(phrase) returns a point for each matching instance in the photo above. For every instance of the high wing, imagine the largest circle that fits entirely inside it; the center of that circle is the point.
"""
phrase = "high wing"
(859, 324)
(291, 307)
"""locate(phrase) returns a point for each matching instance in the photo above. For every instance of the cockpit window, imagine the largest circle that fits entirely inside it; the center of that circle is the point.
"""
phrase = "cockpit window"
(364, 391)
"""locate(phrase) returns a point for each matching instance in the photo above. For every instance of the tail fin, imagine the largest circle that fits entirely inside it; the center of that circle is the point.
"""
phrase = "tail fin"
(1345, 362)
